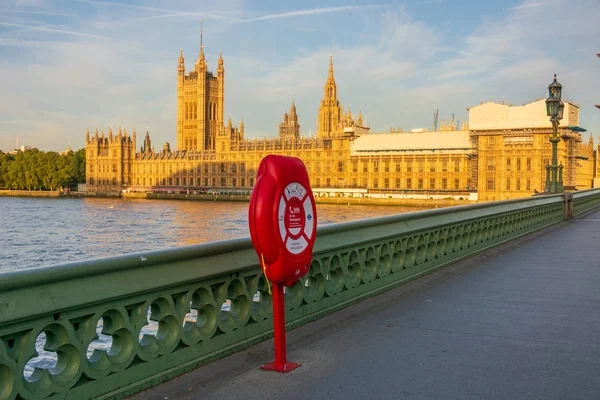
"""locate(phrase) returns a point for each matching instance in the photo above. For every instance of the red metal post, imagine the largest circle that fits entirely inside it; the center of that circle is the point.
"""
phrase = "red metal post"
(280, 364)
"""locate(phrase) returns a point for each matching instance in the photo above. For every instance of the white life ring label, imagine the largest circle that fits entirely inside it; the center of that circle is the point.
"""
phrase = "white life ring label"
(295, 218)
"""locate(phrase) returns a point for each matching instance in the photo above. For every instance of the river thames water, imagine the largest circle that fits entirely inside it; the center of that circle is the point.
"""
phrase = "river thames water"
(36, 232)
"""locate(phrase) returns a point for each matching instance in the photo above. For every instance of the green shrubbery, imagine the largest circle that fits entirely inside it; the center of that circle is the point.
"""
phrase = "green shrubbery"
(38, 170)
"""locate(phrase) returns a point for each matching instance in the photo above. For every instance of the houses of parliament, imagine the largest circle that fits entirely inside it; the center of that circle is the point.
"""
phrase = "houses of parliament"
(500, 153)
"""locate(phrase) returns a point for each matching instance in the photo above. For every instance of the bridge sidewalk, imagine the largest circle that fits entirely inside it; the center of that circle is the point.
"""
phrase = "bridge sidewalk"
(521, 321)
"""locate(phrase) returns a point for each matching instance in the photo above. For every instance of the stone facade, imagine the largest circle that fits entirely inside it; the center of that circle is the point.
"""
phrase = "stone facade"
(512, 149)
(500, 153)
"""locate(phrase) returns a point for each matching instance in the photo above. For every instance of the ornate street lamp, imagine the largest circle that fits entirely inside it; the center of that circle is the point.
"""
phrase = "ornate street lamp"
(554, 109)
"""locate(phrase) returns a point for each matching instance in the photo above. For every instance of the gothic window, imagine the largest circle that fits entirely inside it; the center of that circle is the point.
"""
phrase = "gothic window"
(518, 164)
(444, 183)
(457, 165)
(340, 166)
(233, 182)
(432, 183)
(491, 184)
(186, 111)
(243, 182)
(408, 183)
(507, 183)
(386, 183)
(223, 182)
(420, 183)
(420, 167)
(518, 184)
(375, 166)
(397, 183)
(195, 110)
(528, 166)
(508, 164)
(397, 166)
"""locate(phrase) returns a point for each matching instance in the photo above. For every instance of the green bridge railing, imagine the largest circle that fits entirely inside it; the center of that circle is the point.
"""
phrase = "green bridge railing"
(109, 328)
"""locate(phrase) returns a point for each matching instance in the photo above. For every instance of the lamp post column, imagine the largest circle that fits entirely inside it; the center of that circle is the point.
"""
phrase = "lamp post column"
(554, 140)
(554, 109)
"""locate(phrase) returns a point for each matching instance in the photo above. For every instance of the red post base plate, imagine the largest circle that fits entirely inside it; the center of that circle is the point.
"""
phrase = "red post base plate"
(287, 367)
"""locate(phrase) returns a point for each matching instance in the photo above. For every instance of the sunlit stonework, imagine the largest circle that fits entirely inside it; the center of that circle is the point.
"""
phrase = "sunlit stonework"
(501, 153)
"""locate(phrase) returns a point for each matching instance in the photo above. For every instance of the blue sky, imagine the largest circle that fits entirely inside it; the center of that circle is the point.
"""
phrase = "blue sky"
(70, 65)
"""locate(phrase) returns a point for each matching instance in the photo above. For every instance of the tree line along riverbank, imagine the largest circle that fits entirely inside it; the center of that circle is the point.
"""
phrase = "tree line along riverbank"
(35, 170)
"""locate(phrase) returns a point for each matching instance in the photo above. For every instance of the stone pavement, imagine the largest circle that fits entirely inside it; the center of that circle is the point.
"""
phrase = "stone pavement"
(521, 321)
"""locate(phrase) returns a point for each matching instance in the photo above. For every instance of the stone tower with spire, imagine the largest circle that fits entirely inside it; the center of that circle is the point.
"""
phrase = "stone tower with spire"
(330, 111)
(200, 103)
(289, 129)
(109, 161)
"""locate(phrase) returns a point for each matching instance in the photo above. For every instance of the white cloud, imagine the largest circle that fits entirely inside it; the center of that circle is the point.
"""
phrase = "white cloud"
(310, 11)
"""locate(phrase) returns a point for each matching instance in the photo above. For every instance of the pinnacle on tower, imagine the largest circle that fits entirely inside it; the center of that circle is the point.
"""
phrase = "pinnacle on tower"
(201, 57)
(330, 67)
(201, 45)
